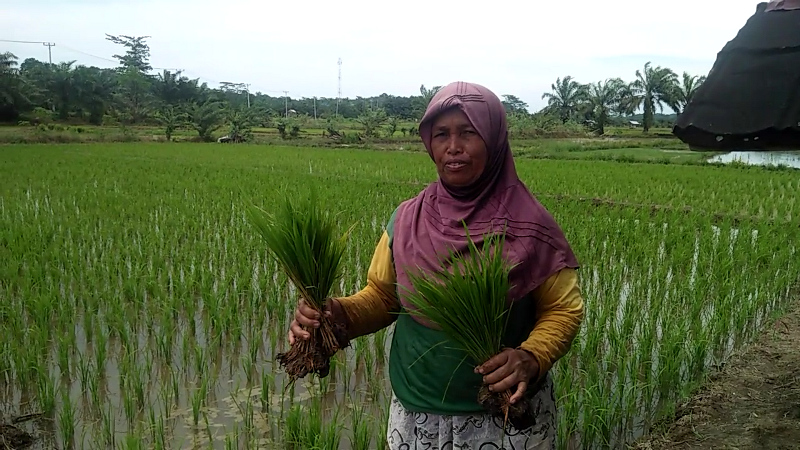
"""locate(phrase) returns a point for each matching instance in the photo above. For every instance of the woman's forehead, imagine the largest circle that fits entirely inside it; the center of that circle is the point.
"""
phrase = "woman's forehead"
(451, 116)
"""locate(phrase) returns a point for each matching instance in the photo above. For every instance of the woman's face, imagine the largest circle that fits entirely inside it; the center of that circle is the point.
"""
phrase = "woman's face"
(458, 150)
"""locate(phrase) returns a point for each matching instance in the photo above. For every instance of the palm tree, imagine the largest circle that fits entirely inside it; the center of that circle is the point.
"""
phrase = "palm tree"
(566, 97)
(94, 90)
(8, 75)
(427, 94)
(602, 99)
(206, 117)
(653, 87)
(8, 62)
(62, 87)
(684, 91)
(13, 89)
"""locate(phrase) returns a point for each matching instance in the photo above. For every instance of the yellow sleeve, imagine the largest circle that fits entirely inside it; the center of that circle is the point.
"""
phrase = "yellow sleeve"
(559, 312)
(375, 306)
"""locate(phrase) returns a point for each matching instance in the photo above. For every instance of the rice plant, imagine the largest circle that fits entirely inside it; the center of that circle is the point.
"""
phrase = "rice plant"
(301, 237)
(468, 300)
(131, 279)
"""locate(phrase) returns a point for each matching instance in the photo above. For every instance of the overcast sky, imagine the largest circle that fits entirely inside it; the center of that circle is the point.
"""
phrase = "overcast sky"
(512, 47)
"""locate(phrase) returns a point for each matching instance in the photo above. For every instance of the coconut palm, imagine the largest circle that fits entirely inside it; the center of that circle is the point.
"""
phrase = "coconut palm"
(566, 97)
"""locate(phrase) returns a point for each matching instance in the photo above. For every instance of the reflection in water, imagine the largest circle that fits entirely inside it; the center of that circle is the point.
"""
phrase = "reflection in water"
(791, 159)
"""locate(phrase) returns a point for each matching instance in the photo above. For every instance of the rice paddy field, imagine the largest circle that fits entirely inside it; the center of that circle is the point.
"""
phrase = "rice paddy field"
(138, 308)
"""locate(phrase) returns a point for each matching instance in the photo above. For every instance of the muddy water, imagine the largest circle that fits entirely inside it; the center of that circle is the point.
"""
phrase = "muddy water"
(234, 407)
(257, 409)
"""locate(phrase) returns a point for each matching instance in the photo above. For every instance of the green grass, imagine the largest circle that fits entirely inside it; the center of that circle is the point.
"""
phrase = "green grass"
(665, 156)
(133, 268)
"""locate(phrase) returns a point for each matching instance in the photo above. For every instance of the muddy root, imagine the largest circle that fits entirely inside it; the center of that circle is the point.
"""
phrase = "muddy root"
(312, 356)
(520, 415)
(12, 438)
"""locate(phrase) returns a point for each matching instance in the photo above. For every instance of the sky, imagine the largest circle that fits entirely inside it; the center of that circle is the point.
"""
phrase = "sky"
(511, 47)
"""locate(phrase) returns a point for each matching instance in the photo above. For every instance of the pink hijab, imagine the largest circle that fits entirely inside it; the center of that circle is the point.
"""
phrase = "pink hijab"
(430, 224)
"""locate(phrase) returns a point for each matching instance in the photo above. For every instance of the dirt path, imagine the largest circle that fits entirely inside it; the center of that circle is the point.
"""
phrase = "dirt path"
(754, 403)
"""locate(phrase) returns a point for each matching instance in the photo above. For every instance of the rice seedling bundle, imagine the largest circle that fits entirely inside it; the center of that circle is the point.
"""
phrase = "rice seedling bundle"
(301, 237)
(469, 303)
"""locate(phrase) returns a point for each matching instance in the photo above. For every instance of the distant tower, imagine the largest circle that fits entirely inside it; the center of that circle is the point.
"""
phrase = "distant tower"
(339, 96)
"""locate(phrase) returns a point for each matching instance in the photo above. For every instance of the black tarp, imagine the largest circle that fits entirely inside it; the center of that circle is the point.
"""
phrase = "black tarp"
(751, 97)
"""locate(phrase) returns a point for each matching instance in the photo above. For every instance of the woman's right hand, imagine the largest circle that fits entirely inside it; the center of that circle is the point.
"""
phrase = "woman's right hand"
(304, 315)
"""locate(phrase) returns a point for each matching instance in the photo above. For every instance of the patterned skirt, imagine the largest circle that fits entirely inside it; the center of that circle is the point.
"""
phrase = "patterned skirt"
(411, 431)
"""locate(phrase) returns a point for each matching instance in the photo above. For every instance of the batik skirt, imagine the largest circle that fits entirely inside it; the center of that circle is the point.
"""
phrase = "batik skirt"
(412, 431)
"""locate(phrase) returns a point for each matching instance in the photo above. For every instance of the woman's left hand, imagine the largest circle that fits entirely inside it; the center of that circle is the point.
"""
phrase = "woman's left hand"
(509, 368)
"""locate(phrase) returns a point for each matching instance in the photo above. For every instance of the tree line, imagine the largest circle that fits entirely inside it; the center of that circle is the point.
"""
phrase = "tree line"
(131, 94)
(596, 103)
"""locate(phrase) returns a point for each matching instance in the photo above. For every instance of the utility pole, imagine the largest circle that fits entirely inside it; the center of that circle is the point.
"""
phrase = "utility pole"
(286, 99)
(315, 108)
(339, 95)
(49, 46)
(247, 88)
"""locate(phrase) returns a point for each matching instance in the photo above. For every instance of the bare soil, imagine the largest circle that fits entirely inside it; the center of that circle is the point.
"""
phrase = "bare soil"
(753, 403)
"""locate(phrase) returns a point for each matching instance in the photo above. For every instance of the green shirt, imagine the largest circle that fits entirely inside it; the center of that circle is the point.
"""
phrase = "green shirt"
(427, 371)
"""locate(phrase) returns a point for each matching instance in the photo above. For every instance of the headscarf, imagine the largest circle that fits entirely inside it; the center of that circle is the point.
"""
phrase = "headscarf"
(782, 5)
(429, 225)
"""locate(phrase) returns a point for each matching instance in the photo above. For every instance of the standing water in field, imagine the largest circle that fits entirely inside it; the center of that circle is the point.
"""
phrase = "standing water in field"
(790, 159)
(142, 311)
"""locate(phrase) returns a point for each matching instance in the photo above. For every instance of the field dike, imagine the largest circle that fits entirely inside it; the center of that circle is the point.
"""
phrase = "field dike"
(752, 403)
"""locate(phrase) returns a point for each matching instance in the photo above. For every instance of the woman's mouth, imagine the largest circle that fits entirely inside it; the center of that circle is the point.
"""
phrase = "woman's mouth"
(455, 165)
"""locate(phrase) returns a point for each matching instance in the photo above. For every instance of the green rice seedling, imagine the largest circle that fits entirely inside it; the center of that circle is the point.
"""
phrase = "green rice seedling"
(301, 238)
(156, 428)
(380, 345)
(294, 432)
(360, 348)
(331, 435)
(360, 429)
(232, 439)
(46, 388)
(64, 351)
(306, 427)
(66, 419)
(100, 351)
(109, 425)
(266, 383)
(132, 441)
(470, 305)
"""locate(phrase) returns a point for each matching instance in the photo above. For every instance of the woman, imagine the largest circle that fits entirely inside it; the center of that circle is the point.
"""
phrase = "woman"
(434, 397)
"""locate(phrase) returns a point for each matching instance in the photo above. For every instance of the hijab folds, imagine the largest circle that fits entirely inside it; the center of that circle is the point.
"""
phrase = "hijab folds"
(429, 225)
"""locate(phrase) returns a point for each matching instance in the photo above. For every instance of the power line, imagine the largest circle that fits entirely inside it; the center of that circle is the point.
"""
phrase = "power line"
(191, 73)
(87, 54)
(21, 42)
(49, 46)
